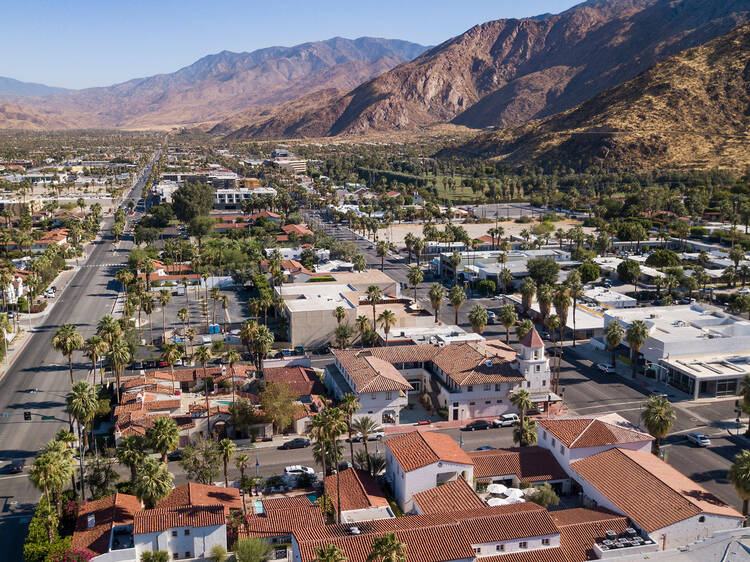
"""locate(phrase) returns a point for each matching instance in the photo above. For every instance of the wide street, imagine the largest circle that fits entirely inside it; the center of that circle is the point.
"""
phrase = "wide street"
(90, 295)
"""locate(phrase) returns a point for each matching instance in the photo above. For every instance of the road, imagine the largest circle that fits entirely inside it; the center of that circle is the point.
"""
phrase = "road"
(89, 296)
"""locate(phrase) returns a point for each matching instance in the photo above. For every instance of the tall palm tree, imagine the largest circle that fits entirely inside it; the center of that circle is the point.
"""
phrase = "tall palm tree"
(553, 325)
(507, 318)
(478, 318)
(226, 449)
(164, 298)
(575, 292)
(203, 355)
(247, 332)
(225, 309)
(366, 426)
(374, 296)
(82, 403)
(528, 290)
(636, 335)
(329, 553)
(67, 340)
(614, 335)
(147, 303)
(171, 353)
(131, 450)
(436, 296)
(184, 315)
(232, 358)
(339, 313)
(387, 548)
(119, 355)
(108, 329)
(457, 297)
(382, 250)
(524, 433)
(739, 476)
(415, 277)
(95, 347)
(561, 301)
(262, 344)
(349, 405)
(363, 327)
(658, 416)
(241, 461)
(387, 320)
(334, 426)
(163, 436)
(153, 481)
(521, 399)
(215, 296)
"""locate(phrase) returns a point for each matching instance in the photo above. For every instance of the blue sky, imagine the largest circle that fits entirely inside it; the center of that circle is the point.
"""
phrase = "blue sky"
(76, 43)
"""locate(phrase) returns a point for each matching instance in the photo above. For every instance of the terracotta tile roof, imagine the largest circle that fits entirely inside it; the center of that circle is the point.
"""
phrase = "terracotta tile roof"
(448, 497)
(532, 339)
(299, 229)
(581, 528)
(422, 448)
(117, 509)
(303, 381)
(193, 494)
(554, 554)
(470, 363)
(648, 490)
(359, 490)
(576, 433)
(194, 374)
(284, 516)
(529, 464)
(369, 372)
(526, 520)
(292, 502)
(131, 425)
(157, 520)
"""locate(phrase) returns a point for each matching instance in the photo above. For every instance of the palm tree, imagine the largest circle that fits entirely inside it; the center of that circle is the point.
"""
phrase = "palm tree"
(147, 303)
(366, 426)
(614, 335)
(455, 262)
(119, 355)
(478, 318)
(153, 481)
(67, 340)
(575, 291)
(262, 345)
(82, 403)
(521, 399)
(203, 355)
(507, 318)
(436, 296)
(329, 553)
(241, 461)
(163, 436)
(317, 432)
(524, 328)
(95, 347)
(226, 449)
(457, 297)
(739, 476)
(184, 315)
(171, 353)
(658, 417)
(232, 358)
(387, 548)
(374, 296)
(387, 320)
(636, 335)
(415, 277)
(561, 301)
(131, 452)
(215, 296)
(164, 298)
(339, 313)
(544, 299)
(108, 329)
(334, 426)
(525, 432)
(349, 405)
(553, 324)
(527, 289)
(225, 309)
(363, 327)
(382, 250)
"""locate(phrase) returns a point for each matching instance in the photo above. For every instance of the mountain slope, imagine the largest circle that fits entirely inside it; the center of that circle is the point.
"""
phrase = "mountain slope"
(221, 84)
(509, 71)
(21, 117)
(692, 109)
(12, 87)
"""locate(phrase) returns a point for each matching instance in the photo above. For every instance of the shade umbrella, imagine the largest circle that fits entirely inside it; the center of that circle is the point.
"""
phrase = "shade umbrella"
(515, 500)
(496, 488)
(514, 493)
(496, 501)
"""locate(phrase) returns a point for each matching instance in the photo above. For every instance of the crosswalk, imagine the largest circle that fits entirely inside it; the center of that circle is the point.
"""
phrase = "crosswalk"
(102, 265)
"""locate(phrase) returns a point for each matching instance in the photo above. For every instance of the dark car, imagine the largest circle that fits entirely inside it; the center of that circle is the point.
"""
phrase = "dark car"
(162, 364)
(17, 465)
(149, 364)
(137, 366)
(298, 443)
(175, 455)
(477, 425)
(485, 448)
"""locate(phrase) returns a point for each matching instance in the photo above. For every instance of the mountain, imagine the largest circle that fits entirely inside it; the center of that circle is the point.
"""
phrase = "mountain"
(218, 85)
(692, 109)
(20, 117)
(509, 71)
(12, 87)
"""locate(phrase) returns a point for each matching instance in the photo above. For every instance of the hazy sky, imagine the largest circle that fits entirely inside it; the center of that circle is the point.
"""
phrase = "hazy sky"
(77, 43)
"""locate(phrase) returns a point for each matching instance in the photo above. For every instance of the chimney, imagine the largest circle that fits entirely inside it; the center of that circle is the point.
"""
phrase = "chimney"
(91, 520)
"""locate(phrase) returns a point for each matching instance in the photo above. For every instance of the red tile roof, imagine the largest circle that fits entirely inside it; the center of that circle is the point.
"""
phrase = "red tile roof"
(157, 520)
(648, 490)
(554, 554)
(576, 433)
(193, 494)
(529, 464)
(532, 339)
(304, 381)
(447, 498)
(526, 520)
(581, 528)
(359, 490)
(422, 448)
(117, 509)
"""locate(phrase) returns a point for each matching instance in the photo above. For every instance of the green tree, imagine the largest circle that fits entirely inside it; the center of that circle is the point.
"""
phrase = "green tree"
(636, 335)
(544, 299)
(457, 297)
(374, 296)
(201, 460)
(119, 355)
(658, 416)
(349, 405)
(478, 318)
(575, 292)
(382, 250)
(507, 318)
(328, 553)
(366, 426)
(164, 298)
(153, 482)
(155, 556)
(628, 271)
(163, 436)
(280, 402)
(614, 334)
(339, 313)
(415, 277)
(589, 271)
(525, 432)
(524, 328)
(543, 270)
(171, 353)
(192, 200)
(521, 399)
(545, 496)
(527, 289)
(203, 356)
(436, 296)
(67, 341)
(226, 450)
(739, 476)
(252, 549)
(131, 450)
(387, 319)
(387, 548)
(82, 403)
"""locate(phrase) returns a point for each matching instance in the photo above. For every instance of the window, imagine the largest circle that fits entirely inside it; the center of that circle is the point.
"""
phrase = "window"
(188, 554)
(470, 389)
(545, 542)
(174, 533)
(477, 550)
(528, 384)
(187, 532)
(544, 435)
(544, 382)
(488, 401)
(553, 442)
(500, 547)
(562, 450)
(487, 386)
(176, 555)
(523, 544)
(538, 368)
(388, 395)
(497, 388)
(702, 519)
(372, 396)
(499, 401)
(472, 403)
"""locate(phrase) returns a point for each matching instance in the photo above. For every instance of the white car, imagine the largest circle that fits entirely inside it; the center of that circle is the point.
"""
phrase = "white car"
(506, 420)
(606, 368)
(744, 291)
(376, 436)
(699, 439)
(297, 469)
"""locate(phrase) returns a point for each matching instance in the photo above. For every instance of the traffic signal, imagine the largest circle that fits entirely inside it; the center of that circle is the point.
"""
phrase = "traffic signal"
(27, 416)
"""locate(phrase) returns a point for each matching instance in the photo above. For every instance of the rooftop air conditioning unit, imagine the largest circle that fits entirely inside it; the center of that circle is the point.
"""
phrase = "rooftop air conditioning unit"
(354, 530)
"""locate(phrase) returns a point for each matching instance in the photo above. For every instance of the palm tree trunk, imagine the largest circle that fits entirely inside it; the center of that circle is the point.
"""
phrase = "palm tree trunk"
(351, 443)
(634, 365)
(163, 323)
(338, 483)
(70, 366)
(367, 454)
(226, 474)
(574, 322)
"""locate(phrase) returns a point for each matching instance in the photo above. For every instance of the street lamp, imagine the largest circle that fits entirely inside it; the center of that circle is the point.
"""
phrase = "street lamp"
(461, 440)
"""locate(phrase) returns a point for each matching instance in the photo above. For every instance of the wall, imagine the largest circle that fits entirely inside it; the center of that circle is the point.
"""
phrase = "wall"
(693, 529)
(532, 543)
(314, 328)
(199, 543)
(375, 407)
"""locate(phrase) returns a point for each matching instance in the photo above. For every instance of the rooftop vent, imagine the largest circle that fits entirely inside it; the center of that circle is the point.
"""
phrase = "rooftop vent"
(488, 363)
(354, 530)
(91, 521)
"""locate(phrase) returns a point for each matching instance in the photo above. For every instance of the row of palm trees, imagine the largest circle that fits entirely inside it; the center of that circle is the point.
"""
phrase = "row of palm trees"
(385, 548)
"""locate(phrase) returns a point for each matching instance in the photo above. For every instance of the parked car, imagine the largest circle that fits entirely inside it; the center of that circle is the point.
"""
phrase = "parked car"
(546, 336)
(607, 284)
(137, 366)
(506, 420)
(491, 317)
(606, 368)
(298, 443)
(297, 469)
(743, 291)
(377, 436)
(175, 455)
(149, 364)
(161, 364)
(477, 425)
(485, 448)
(698, 439)
(17, 465)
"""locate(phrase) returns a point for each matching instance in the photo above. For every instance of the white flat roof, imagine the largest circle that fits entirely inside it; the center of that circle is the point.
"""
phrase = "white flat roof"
(711, 366)
(602, 295)
(314, 296)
